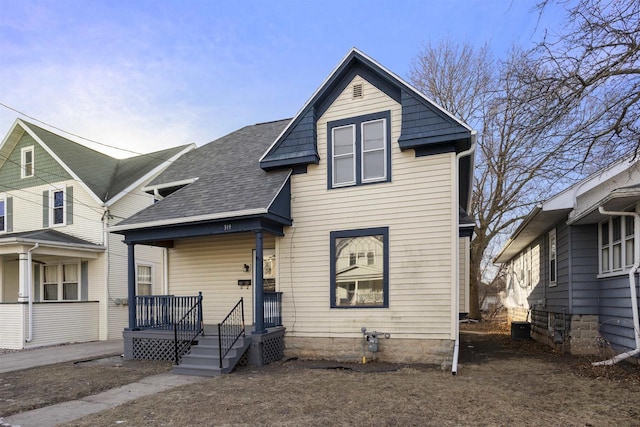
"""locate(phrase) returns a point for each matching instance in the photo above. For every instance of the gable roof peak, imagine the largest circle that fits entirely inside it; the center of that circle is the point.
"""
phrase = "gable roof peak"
(104, 177)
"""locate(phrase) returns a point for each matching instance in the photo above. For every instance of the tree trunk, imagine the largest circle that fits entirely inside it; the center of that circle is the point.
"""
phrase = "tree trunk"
(474, 286)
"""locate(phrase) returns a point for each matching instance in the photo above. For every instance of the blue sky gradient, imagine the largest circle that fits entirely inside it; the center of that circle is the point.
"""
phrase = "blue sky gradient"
(146, 75)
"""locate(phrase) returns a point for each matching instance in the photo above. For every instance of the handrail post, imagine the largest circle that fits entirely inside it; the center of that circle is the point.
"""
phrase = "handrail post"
(220, 343)
(242, 306)
(200, 321)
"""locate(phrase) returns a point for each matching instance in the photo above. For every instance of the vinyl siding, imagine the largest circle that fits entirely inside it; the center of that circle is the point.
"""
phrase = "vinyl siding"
(616, 322)
(55, 323)
(584, 270)
(557, 297)
(416, 206)
(12, 325)
(118, 318)
(527, 286)
(46, 168)
(213, 265)
(87, 215)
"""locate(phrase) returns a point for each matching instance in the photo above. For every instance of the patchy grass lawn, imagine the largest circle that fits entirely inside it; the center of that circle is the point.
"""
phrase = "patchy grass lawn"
(499, 382)
(47, 385)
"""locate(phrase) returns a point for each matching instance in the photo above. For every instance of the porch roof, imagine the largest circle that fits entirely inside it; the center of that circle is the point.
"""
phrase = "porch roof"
(219, 183)
(49, 238)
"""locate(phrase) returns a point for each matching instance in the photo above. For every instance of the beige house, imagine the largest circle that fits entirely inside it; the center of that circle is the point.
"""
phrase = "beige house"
(62, 276)
(359, 202)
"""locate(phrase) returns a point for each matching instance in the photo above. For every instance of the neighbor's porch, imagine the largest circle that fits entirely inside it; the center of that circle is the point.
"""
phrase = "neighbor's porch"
(44, 290)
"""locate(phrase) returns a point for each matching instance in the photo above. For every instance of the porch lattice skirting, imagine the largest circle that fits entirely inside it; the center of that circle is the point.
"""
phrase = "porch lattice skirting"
(158, 345)
(149, 345)
(267, 348)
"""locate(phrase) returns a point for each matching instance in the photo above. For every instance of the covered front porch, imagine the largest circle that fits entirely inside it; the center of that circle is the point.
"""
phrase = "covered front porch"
(223, 276)
(45, 297)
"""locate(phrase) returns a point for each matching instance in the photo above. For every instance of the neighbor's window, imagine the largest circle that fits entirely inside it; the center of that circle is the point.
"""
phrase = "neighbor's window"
(26, 162)
(617, 239)
(57, 207)
(360, 268)
(70, 282)
(50, 282)
(60, 282)
(144, 280)
(553, 256)
(359, 150)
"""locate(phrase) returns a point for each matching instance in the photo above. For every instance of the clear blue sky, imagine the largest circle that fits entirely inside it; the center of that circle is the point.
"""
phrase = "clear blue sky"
(146, 75)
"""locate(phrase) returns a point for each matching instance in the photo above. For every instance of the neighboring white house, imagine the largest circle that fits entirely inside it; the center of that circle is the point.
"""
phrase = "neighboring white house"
(362, 199)
(62, 276)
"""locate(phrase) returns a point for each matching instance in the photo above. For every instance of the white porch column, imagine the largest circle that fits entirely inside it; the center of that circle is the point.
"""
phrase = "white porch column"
(23, 277)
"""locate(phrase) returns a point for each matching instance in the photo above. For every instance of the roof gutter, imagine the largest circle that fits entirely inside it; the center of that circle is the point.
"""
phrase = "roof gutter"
(632, 289)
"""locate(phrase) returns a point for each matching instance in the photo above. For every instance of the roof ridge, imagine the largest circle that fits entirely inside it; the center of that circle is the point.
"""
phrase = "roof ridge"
(67, 139)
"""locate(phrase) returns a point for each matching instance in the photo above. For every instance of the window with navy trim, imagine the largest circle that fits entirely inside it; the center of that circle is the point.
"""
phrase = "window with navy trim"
(358, 150)
(360, 268)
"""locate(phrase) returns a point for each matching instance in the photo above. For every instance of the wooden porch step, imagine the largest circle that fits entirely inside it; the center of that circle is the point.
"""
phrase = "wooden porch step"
(204, 358)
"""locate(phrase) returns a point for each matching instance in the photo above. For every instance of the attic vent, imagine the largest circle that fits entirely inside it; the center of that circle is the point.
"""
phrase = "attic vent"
(358, 90)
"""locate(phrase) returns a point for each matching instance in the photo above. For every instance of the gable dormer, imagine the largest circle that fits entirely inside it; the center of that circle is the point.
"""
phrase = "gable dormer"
(426, 128)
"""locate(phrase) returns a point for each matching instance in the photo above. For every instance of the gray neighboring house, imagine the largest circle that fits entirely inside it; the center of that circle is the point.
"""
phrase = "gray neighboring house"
(572, 264)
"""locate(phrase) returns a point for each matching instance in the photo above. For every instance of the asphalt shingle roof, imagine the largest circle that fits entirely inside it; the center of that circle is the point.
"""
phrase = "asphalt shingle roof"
(229, 177)
(104, 175)
(47, 236)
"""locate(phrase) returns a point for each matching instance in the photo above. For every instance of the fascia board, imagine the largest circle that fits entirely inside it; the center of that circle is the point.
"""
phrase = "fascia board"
(186, 220)
(567, 198)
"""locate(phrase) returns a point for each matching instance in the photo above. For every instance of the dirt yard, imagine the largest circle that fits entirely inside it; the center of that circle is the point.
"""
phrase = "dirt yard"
(499, 382)
(47, 385)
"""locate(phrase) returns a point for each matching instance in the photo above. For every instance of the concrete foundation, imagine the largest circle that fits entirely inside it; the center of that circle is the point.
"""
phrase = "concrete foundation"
(394, 350)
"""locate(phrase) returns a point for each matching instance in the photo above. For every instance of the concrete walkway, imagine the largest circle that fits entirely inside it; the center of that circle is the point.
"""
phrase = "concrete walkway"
(65, 412)
(54, 415)
(25, 359)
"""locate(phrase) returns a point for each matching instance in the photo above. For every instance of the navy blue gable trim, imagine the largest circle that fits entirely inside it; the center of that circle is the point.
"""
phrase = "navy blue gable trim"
(431, 150)
(292, 162)
(296, 146)
(281, 205)
(466, 231)
(423, 126)
(340, 85)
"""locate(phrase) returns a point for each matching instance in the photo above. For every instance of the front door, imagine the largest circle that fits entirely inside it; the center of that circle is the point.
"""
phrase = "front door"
(269, 270)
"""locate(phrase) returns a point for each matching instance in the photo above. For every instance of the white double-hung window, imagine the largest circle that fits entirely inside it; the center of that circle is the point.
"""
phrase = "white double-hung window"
(358, 150)
(616, 241)
(26, 162)
(344, 155)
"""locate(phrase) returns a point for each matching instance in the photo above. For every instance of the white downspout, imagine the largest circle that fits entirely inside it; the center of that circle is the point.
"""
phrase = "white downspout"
(456, 303)
(30, 285)
(632, 288)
